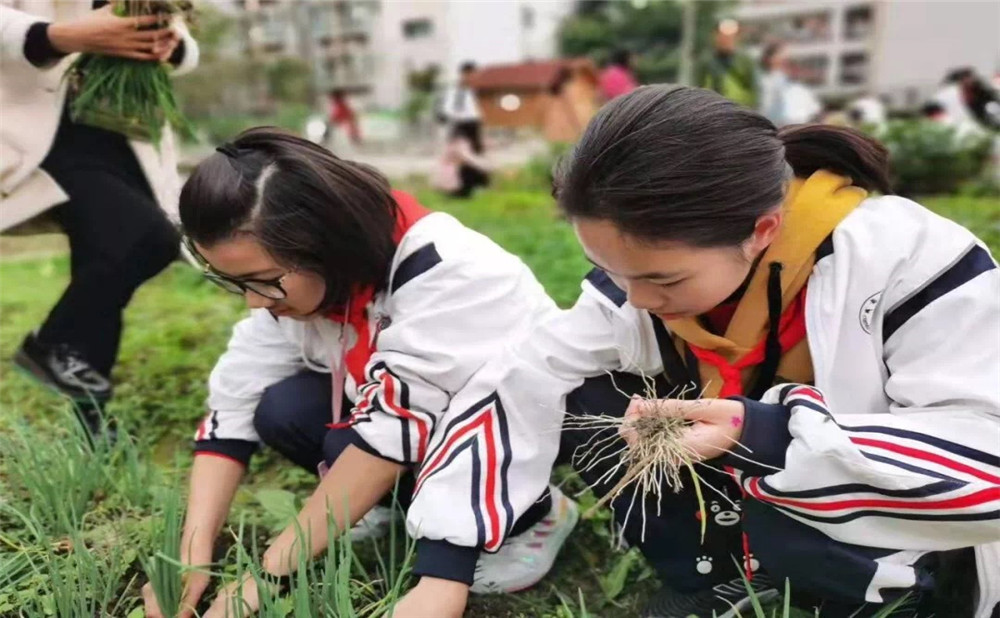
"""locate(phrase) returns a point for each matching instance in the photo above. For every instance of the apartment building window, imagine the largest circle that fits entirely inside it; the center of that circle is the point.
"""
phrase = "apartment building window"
(418, 28)
(527, 17)
(808, 28)
(858, 23)
(854, 69)
(811, 70)
(801, 28)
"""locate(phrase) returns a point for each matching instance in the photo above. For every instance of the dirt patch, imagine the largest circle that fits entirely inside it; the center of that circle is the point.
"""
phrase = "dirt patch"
(28, 247)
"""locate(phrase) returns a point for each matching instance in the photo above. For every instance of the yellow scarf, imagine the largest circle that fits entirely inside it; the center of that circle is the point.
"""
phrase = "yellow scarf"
(813, 209)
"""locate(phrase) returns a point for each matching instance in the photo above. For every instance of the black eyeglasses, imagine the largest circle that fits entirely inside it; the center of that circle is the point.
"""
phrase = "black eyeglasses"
(268, 288)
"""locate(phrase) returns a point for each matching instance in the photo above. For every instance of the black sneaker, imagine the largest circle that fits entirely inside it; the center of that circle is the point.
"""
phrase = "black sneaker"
(63, 369)
(725, 600)
(100, 429)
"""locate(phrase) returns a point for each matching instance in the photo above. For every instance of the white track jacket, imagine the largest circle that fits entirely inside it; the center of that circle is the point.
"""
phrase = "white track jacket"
(897, 447)
(454, 299)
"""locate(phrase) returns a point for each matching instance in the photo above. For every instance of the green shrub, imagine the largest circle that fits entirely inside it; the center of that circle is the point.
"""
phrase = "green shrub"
(219, 128)
(930, 158)
(537, 173)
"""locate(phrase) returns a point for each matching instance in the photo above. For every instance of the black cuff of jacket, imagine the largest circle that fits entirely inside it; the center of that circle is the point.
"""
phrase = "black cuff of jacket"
(764, 441)
(239, 451)
(177, 56)
(339, 438)
(38, 49)
(443, 560)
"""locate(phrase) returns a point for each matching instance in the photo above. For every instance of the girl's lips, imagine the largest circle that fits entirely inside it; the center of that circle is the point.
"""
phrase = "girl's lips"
(670, 316)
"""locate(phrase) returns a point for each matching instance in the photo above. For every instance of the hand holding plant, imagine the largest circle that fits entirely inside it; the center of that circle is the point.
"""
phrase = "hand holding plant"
(710, 427)
(104, 33)
(239, 598)
(120, 82)
(196, 554)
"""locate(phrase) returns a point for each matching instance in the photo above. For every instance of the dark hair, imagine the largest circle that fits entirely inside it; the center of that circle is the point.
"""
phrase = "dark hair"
(954, 76)
(620, 57)
(670, 163)
(770, 51)
(467, 66)
(308, 208)
(931, 109)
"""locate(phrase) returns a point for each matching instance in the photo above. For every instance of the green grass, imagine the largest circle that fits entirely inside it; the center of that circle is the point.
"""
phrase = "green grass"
(56, 498)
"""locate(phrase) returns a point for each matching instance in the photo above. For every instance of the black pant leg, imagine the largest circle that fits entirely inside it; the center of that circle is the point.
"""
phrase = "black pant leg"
(119, 238)
(836, 576)
(292, 416)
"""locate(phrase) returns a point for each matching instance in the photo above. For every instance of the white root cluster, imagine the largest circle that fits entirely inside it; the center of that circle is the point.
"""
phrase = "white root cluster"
(656, 458)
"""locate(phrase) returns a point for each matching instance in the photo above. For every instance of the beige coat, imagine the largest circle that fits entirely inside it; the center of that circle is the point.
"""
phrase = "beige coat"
(31, 102)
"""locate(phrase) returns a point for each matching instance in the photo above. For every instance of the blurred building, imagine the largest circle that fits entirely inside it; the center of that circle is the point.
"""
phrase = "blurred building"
(411, 36)
(369, 47)
(332, 36)
(896, 49)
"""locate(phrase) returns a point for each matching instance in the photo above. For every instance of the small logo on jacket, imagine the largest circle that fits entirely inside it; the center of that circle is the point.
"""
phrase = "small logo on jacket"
(382, 322)
(867, 313)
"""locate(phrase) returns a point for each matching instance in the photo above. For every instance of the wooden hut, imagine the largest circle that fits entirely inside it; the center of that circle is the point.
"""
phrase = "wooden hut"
(557, 97)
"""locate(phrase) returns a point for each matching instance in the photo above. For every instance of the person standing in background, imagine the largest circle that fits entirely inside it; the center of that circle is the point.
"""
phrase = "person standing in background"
(868, 110)
(773, 81)
(968, 102)
(617, 78)
(343, 115)
(458, 106)
(782, 99)
(728, 71)
(113, 197)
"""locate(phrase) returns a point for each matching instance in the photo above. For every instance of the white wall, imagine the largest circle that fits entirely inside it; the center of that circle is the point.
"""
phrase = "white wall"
(919, 41)
(481, 31)
(540, 42)
(394, 55)
(486, 32)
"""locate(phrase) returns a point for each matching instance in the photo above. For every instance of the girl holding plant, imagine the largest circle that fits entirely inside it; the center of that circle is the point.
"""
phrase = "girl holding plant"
(368, 312)
(846, 348)
(112, 196)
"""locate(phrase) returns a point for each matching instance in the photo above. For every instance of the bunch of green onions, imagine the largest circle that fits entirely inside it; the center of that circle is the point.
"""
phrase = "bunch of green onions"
(133, 97)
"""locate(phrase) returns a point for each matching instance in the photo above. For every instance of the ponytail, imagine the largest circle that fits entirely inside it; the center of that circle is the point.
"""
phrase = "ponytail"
(841, 150)
(672, 163)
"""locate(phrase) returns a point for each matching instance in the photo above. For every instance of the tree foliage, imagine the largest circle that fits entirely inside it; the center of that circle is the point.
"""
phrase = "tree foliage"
(650, 29)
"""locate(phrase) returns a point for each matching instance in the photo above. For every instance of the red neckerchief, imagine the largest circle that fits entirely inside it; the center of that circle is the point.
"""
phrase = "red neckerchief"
(791, 330)
(719, 318)
(356, 315)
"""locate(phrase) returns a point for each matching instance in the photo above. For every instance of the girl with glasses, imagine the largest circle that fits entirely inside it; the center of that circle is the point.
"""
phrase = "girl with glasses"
(367, 312)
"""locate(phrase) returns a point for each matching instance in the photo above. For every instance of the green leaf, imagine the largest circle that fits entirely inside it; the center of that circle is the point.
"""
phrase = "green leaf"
(280, 506)
(614, 582)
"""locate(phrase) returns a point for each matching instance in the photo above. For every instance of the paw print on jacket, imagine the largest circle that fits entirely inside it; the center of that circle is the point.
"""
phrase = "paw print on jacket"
(703, 564)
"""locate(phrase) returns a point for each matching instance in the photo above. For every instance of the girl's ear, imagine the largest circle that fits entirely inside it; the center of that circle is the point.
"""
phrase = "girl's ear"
(765, 231)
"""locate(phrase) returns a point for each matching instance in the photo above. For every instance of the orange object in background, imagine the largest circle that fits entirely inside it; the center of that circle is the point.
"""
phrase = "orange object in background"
(557, 97)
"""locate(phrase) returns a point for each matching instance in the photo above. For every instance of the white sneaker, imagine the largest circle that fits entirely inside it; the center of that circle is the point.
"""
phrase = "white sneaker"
(375, 524)
(523, 560)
